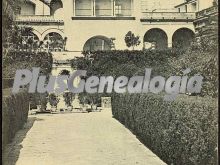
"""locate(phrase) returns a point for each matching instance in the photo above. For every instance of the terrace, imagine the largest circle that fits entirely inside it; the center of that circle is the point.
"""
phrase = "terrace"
(206, 12)
(38, 19)
(167, 17)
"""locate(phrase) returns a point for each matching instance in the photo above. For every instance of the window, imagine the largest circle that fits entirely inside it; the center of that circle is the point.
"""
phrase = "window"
(118, 10)
(83, 8)
(123, 7)
(103, 8)
(179, 10)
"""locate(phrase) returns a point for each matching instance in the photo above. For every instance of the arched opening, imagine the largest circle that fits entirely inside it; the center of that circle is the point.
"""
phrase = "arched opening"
(29, 39)
(27, 8)
(97, 43)
(55, 5)
(65, 72)
(30, 36)
(155, 39)
(54, 42)
(182, 38)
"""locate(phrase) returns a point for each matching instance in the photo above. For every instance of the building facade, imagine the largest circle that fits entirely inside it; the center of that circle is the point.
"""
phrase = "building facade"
(103, 24)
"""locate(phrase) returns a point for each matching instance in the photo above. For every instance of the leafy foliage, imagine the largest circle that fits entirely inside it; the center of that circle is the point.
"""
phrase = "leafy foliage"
(68, 98)
(53, 100)
(179, 132)
(14, 114)
(131, 40)
(201, 58)
(26, 60)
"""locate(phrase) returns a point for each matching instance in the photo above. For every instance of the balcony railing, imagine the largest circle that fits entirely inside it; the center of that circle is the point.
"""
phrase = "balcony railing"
(37, 18)
(154, 16)
(208, 11)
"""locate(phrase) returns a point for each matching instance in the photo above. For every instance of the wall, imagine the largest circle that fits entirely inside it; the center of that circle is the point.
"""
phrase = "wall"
(160, 5)
(77, 38)
(203, 4)
(79, 31)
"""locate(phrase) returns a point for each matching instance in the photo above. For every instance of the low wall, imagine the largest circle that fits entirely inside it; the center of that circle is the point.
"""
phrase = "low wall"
(180, 132)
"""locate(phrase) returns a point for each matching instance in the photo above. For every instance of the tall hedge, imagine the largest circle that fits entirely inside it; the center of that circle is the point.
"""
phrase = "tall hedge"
(26, 60)
(117, 63)
(14, 115)
(182, 132)
(201, 59)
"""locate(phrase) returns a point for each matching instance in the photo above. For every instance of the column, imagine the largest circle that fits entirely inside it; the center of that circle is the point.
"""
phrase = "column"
(93, 8)
(74, 8)
(113, 7)
(132, 7)
(170, 42)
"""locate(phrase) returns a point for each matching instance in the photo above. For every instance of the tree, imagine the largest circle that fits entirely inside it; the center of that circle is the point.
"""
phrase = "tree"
(131, 40)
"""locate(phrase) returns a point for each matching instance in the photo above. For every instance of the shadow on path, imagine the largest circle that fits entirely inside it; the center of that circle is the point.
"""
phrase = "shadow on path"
(12, 150)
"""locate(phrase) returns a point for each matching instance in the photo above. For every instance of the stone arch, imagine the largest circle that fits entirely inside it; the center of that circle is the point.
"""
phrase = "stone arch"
(52, 30)
(55, 5)
(182, 38)
(155, 38)
(64, 72)
(98, 42)
(54, 42)
(37, 33)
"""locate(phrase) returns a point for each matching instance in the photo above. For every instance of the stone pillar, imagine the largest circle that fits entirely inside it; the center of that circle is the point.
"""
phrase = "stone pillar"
(113, 7)
(74, 8)
(132, 7)
(93, 7)
(170, 42)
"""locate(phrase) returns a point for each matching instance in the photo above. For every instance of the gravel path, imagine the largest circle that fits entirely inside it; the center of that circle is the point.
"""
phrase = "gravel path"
(77, 139)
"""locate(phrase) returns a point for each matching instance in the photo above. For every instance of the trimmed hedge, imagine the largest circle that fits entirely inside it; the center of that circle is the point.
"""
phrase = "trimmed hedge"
(14, 115)
(127, 63)
(182, 132)
(26, 60)
(165, 63)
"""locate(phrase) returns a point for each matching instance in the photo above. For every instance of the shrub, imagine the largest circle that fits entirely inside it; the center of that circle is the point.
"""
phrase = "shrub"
(201, 58)
(102, 62)
(26, 60)
(14, 115)
(68, 98)
(180, 132)
(53, 100)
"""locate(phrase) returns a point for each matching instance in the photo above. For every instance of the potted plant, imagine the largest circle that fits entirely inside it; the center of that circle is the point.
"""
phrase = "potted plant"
(68, 98)
(53, 100)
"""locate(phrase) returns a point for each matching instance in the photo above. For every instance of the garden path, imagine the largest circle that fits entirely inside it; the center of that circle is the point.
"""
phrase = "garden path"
(77, 139)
